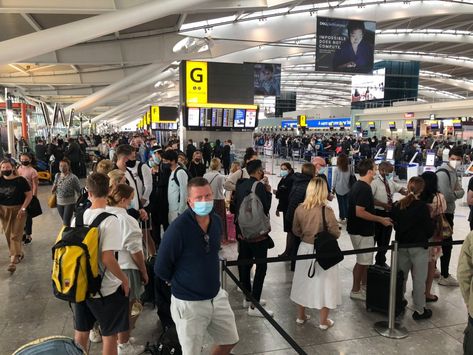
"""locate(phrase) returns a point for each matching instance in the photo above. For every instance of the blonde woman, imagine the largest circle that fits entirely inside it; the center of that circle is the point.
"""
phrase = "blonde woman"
(117, 177)
(130, 257)
(15, 196)
(104, 166)
(216, 181)
(322, 291)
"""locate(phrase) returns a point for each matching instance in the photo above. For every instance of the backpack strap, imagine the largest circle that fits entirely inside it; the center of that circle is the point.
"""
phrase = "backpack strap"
(140, 206)
(324, 221)
(140, 172)
(446, 172)
(175, 176)
(253, 188)
(99, 219)
(80, 219)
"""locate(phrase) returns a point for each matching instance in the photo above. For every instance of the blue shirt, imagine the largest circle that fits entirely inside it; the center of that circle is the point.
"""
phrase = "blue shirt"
(184, 261)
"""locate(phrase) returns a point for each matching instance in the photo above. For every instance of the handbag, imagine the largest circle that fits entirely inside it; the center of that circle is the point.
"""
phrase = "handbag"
(34, 208)
(443, 229)
(52, 201)
(326, 249)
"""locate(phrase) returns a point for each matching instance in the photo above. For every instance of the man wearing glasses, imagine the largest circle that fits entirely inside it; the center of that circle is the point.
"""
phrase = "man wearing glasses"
(188, 260)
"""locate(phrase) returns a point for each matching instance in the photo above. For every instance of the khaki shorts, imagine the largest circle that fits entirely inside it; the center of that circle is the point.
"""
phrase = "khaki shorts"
(360, 242)
(194, 318)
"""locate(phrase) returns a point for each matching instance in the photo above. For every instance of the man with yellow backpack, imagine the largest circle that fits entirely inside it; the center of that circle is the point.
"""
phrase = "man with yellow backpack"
(86, 272)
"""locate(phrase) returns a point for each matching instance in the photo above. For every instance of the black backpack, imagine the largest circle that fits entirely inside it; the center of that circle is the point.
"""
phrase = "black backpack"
(83, 202)
(326, 249)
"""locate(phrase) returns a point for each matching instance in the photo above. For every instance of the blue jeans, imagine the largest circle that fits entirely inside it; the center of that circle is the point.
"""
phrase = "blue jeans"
(343, 205)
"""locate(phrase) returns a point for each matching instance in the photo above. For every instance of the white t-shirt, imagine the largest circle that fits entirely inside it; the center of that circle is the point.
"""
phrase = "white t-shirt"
(110, 239)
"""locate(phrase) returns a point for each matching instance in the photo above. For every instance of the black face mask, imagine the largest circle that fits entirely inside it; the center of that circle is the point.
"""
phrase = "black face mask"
(130, 163)
(25, 163)
(7, 172)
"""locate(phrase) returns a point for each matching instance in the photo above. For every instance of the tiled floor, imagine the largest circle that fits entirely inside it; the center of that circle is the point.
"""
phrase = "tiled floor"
(28, 309)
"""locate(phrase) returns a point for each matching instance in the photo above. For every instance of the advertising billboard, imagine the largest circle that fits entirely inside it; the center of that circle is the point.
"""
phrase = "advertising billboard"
(344, 45)
(267, 79)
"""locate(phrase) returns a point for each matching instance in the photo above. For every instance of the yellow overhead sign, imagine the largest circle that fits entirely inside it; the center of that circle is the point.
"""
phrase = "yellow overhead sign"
(155, 114)
(196, 82)
(302, 121)
(148, 118)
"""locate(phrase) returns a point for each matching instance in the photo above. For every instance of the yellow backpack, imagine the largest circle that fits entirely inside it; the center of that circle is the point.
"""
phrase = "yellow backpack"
(76, 275)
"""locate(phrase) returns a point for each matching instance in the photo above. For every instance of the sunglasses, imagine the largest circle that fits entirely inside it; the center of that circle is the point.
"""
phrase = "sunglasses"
(207, 243)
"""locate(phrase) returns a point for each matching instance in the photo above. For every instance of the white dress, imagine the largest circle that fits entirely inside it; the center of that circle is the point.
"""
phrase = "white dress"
(322, 290)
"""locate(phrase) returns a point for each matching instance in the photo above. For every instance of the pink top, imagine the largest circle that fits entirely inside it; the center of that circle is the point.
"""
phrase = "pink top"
(28, 173)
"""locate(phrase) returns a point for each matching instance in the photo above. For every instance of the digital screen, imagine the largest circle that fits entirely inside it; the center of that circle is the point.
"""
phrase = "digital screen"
(219, 117)
(358, 126)
(250, 119)
(368, 87)
(202, 115)
(344, 45)
(193, 117)
(372, 126)
(390, 153)
(392, 126)
(409, 125)
(430, 158)
(434, 125)
(457, 124)
(231, 83)
(267, 79)
(239, 118)
(214, 117)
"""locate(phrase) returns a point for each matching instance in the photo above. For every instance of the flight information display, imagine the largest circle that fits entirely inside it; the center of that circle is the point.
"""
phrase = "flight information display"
(221, 118)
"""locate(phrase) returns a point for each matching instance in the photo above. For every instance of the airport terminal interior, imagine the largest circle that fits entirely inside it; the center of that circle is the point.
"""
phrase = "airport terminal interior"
(295, 80)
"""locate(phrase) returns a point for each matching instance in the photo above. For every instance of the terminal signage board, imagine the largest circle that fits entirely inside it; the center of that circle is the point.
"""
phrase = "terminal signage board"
(221, 117)
(302, 120)
(163, 114)
(196, 83)
(323, 123)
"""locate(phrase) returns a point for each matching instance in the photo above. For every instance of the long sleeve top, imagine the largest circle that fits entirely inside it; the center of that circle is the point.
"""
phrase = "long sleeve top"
(465, 272)
(341, 181)
(177, 194)
(308, 222)
(449, 186)
(230, 183)
(412, 224)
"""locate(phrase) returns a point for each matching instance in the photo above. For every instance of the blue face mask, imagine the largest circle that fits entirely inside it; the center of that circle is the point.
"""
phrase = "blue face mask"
(203, 208)
(323, 171)
(283, 173)
(156, 159)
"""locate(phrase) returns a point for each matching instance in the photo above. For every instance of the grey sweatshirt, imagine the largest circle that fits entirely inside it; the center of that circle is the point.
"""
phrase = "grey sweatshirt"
(450, 188)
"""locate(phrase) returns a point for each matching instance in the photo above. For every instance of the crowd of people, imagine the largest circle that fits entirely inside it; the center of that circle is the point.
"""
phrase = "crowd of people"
(152, 189)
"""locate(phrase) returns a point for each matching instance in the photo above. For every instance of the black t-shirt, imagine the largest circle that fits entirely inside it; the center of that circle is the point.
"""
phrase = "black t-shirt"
(360, 195)
(470, 184)
(12, 192)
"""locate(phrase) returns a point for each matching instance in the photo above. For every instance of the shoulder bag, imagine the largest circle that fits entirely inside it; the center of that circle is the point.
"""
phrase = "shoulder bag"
(326, 249)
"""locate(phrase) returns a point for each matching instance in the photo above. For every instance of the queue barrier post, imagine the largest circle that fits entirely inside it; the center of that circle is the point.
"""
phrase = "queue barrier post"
(391, 329)
(223, 274)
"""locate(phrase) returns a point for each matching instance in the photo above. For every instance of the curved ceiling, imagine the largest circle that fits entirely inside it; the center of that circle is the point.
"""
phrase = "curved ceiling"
(114, 77)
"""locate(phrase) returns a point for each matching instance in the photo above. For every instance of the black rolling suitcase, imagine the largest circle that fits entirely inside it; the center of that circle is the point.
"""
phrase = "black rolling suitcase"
(377, 290)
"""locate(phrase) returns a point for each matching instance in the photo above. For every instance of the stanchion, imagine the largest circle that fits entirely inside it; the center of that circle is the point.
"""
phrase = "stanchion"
(223, 274)
(391, 329)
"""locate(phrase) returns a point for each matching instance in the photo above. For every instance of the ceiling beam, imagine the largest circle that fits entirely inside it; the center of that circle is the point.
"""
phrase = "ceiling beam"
(19, 68)
(31, 21)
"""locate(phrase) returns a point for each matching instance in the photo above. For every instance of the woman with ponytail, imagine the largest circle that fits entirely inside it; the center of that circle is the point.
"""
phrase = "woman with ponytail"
(130, 257)
(413, 224)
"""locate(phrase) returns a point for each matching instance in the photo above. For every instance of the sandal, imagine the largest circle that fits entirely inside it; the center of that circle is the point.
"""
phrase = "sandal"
(19, 258)
(325, 327)
(302, 321)
(433, 299)
(11, 268)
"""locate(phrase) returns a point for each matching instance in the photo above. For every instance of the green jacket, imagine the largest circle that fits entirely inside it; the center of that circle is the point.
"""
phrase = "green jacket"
(465, 272)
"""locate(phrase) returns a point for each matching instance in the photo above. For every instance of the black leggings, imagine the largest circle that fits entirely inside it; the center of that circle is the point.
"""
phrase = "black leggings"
(446, 250)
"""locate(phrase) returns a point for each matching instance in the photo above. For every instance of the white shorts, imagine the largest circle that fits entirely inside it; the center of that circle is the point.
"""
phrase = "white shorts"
(194, 318)
(361, 242)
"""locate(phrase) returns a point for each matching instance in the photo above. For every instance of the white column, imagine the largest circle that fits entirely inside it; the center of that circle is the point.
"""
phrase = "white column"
(20, 48)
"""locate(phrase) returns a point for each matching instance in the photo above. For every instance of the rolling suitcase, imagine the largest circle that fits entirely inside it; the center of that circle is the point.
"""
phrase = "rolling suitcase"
(377, 290)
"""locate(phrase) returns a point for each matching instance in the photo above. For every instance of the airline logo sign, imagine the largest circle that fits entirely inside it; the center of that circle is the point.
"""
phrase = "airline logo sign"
(196, 82)
(155, 114)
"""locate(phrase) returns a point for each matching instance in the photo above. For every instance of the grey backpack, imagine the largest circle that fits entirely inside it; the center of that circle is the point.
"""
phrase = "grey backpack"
(252, 220)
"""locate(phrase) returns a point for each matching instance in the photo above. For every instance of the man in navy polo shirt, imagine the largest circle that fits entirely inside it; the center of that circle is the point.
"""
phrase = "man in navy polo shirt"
(188, 260)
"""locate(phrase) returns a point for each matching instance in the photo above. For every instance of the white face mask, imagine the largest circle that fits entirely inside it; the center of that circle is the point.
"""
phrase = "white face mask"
(455, 164)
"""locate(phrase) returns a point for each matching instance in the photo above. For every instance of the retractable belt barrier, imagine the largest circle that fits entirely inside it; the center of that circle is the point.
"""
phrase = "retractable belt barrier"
(388, 328)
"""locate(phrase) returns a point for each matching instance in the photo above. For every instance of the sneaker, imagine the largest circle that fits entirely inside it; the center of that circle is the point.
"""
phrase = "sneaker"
(448, 281)
(426, 315)
(130, 349)
(94, 335)
(359, 296)
(246, 303)
(254, 312)
(27, 239)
